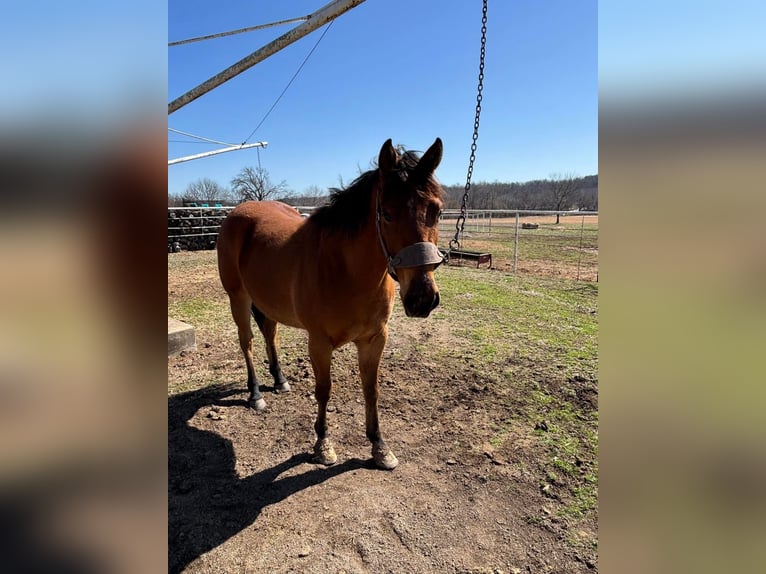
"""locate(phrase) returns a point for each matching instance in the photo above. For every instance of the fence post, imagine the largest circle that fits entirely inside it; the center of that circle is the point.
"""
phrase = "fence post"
(579, 252)
(516, 243)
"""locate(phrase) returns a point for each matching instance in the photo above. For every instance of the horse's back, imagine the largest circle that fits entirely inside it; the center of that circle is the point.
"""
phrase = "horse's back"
(254, 251)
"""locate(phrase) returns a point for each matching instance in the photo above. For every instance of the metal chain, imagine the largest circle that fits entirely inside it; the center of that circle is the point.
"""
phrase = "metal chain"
(460, 223)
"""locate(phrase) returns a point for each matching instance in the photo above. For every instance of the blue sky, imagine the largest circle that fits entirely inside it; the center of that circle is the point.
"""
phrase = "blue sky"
(404, 69)
(81, 63)
(399, 69)
(658, 51)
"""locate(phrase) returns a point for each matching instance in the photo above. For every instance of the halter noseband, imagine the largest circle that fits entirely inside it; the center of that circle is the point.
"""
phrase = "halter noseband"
(415, 255)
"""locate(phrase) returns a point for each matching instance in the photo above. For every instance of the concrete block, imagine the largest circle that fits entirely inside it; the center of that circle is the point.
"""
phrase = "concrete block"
(180, 337)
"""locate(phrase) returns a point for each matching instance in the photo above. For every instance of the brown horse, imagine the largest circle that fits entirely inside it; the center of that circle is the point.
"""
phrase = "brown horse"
(333, 275)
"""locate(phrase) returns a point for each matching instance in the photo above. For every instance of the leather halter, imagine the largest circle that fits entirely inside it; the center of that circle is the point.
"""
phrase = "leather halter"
(415, 255)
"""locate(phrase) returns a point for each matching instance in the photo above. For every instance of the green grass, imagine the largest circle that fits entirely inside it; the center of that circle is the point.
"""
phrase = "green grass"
(500, 317)
(585, 500)
(195, 310)
(533, 331)
(570, 438)
(202, 313)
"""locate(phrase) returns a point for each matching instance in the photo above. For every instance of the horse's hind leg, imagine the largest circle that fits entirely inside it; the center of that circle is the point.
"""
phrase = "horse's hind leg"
(269, 328)
(240, 311)
(320, 352)
(370, 351)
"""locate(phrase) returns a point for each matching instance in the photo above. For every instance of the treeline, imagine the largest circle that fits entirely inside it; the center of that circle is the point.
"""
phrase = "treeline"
(544, 194)
(558, 193)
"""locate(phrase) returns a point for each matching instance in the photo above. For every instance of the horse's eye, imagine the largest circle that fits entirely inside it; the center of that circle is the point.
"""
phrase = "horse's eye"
(432, 216)
(387, 217)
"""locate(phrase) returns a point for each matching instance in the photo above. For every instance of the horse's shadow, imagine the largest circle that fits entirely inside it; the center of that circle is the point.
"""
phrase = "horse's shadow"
(207, 502)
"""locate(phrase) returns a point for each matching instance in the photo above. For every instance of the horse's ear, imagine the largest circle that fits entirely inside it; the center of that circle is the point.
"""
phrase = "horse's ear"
(388, 157)
(430, 160)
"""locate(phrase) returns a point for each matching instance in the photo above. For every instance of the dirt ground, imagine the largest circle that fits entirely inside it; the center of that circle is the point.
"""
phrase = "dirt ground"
(244, 496)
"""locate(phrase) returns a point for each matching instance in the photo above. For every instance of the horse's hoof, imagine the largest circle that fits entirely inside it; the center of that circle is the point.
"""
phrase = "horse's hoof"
(383, 457)
(324, 453)
(283, 388)
(257, 404)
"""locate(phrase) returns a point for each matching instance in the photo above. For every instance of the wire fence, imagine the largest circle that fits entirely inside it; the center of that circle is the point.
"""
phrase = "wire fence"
(194, 228)
(551, 243)
(547, 243)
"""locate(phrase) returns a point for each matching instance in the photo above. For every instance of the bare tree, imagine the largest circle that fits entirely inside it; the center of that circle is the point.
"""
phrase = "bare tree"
(175, 200)
(484, 196)
(254, 184)
(205, 189)
(533, 194)
(313, 195)
(562, 191)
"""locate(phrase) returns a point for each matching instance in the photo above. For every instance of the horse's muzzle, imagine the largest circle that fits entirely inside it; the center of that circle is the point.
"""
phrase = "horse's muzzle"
(421, 305)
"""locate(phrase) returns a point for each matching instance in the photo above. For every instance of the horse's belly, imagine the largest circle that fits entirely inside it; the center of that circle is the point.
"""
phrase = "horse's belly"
(270, 287)
(288, 320)
(344, 317)
(279, 311)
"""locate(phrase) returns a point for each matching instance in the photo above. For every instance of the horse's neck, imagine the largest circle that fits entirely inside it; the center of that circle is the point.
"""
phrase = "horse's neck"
(363, 255)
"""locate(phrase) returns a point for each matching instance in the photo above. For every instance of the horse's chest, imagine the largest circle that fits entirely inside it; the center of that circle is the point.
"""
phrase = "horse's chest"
(355, 322)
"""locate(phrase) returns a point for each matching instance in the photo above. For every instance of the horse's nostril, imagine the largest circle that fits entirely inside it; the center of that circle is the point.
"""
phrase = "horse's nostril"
(435, 303)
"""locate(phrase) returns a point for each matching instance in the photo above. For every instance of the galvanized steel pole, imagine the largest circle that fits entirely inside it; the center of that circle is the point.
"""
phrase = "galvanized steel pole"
(516, 244)
(317, 19)
(579, 251)
(216, 151)
(238, 31)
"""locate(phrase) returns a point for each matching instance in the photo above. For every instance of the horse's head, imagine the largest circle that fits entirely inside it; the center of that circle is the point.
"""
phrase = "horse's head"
(408, 203)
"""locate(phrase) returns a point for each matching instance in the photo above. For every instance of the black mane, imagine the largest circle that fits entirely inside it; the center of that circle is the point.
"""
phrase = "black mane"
(349, 208)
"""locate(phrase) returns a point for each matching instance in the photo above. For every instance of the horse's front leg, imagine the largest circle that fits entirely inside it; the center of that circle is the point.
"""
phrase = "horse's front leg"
(370, 351)
(320, 352)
